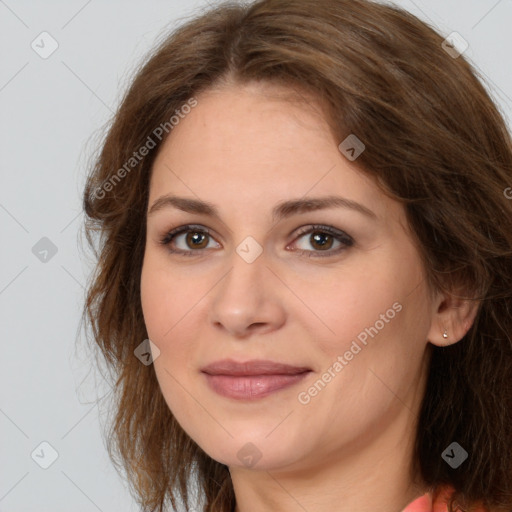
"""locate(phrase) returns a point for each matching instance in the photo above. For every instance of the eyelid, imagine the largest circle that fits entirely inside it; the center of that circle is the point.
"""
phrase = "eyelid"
(342, 237)
(336, 233)
(171, 235)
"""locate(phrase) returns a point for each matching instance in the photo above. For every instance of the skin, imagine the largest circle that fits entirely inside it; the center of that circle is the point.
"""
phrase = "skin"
(244, 149)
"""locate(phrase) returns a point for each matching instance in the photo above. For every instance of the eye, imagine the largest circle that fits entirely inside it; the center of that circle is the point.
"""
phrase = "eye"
(193, 236)
(196, 238)
(322, 239)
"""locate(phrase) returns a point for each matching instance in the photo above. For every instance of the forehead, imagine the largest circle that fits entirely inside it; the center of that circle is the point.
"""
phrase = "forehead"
(258, 143)
(252, 119)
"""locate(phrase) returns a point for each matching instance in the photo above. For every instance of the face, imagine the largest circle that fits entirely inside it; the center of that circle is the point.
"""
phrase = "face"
(337, 292)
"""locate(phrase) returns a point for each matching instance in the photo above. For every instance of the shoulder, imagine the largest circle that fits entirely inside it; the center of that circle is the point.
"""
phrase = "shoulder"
(435, 502)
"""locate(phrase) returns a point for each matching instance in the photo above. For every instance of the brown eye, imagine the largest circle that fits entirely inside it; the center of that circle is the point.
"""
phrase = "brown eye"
(196, 239)
(192, 240)
(322, 239)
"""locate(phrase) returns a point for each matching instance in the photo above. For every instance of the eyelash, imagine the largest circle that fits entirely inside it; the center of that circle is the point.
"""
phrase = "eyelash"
(340, 236)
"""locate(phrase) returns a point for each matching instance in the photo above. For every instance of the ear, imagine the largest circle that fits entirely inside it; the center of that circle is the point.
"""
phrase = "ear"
(453, 315)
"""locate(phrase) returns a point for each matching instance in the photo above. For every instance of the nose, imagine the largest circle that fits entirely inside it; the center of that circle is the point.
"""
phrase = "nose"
(248, 299)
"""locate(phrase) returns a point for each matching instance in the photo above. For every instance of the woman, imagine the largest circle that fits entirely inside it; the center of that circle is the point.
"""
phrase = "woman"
(304, 281)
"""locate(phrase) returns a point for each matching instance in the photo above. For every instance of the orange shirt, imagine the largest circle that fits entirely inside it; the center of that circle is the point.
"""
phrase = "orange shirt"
(426, 504)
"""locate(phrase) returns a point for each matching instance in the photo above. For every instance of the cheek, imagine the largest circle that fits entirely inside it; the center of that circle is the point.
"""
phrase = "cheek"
(166, 298)
(164, 309)
(171, 303)
(375, 314)
(153, 303)
(340, 307)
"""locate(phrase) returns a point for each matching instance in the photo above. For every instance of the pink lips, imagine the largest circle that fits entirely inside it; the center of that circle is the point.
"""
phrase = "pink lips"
(252, 379)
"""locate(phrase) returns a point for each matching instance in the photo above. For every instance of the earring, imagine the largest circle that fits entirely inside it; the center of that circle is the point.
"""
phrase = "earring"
(445, 334)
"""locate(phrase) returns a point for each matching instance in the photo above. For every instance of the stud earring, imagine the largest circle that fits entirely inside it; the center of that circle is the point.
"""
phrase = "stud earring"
(445, 334)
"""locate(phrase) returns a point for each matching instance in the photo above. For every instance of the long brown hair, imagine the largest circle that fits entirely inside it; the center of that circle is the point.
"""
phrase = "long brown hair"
(434, 141)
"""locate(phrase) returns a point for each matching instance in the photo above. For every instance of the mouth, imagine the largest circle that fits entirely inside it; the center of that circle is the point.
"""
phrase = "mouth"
(252, 379)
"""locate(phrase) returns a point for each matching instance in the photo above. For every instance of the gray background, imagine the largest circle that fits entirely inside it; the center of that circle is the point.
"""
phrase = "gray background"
(51, 112)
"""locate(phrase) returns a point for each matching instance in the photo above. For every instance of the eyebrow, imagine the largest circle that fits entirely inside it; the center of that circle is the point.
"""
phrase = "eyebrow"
(282, 210)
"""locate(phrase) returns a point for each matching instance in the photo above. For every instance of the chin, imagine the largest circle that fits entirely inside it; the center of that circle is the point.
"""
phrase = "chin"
(255, 453)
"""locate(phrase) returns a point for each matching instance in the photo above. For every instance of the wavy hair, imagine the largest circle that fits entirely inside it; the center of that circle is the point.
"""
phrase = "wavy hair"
(435, 141)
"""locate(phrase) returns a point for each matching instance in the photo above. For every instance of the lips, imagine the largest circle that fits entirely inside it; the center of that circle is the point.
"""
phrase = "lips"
(252, 379)
(254, 367)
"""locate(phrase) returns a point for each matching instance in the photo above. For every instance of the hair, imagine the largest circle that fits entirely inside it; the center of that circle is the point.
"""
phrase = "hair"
(435, 141)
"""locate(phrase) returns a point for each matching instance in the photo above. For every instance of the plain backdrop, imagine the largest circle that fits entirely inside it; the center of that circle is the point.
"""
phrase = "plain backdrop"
(51, 109)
